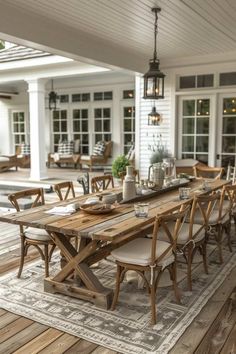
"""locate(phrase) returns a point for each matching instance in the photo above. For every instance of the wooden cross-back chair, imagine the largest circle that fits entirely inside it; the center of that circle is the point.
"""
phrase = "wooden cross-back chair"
(152, 255)
(101, 183)
(229, 204)
(31, 236)
(193, 235)
(64, 190)
(219, 220)
(208, 172)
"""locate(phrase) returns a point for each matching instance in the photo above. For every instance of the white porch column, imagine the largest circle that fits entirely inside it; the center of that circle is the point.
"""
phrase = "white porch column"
(36, 89)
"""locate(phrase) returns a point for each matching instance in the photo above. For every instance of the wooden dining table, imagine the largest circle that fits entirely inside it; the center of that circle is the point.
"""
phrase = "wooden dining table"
(99, 235)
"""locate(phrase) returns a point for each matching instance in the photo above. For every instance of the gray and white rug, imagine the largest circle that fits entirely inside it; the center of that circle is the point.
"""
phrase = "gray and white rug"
(127, 329)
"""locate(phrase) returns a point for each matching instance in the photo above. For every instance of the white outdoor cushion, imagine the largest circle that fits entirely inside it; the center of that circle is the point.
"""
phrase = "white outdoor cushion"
(4, 159)
(37, 234)
(198, 219)
(138, 252)
(85, 157)
(183, 236)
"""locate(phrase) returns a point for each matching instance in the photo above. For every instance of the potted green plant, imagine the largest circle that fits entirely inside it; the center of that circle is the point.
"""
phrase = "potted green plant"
(119, 166)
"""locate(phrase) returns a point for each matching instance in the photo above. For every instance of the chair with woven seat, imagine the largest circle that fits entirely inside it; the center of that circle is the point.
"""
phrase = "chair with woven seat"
(208, 172)
(30, 236)
(101, 183)
(151, 254)
(64, 190)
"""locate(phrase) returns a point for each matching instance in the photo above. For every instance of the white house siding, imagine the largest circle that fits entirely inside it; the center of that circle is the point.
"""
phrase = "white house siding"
(149, 134)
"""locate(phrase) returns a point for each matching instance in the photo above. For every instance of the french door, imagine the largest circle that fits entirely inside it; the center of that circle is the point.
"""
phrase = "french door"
(196, 128)
(226, 147)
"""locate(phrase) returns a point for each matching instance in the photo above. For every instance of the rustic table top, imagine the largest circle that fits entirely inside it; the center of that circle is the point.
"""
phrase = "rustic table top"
(102, 226)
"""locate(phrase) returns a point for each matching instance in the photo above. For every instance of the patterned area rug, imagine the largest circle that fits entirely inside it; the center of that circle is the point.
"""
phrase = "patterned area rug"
(127, 329)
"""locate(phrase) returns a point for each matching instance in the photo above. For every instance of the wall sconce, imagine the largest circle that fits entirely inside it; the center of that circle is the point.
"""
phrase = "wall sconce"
(154, 118)
(154, 78)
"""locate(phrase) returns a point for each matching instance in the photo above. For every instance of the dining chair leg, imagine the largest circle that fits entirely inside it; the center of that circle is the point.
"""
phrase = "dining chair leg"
(46, 255)
(204, 256)
(119, 279)
(218, 238)
(51, 252)
(174, 280)
(22, 256)
(189, 266)
(153, 303)
(228, 234)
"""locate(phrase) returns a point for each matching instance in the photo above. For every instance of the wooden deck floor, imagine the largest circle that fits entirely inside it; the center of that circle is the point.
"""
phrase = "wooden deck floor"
(213, 330)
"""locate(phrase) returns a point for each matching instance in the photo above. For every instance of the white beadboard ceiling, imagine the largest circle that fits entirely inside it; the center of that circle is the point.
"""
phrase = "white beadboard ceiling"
(187, 28)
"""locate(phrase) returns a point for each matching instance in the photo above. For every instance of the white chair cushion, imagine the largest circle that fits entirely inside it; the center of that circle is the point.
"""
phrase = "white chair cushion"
(198, 219)
(85, 157)
(4, 159)
(183, 236)
(138, 252)
(36, 234)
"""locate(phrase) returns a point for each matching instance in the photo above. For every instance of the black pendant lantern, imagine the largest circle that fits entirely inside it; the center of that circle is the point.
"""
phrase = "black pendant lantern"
(53, 99)
(154, 78)
(154, 118)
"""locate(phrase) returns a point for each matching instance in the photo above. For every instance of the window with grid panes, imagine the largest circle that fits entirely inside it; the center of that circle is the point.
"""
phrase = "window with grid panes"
(102, 124)
(81, 128)
(59, 127)
(195, 129)
(18, 129)
(128, 127)
(80, 97)
(102, 96)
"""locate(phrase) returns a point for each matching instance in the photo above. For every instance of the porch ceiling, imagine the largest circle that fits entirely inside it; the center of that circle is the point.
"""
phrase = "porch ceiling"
(120, 33)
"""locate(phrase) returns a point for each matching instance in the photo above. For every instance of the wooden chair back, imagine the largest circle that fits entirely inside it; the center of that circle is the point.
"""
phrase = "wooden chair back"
(108, 149)
(36, 195)
(229, 192)
(64, 189)
(208, 172)
(165, 224)
(205, 205)
(101, 183)
(231, 174)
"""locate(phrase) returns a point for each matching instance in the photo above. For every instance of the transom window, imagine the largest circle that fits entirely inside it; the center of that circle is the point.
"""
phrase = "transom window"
(195, 129)
(128, 94)
(102, 96)
(196, 81)
(128, 127)
(80, 97)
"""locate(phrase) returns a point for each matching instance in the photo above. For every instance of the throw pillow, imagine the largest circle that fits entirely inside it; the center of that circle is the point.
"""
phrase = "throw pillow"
(25, 149)
(99, 148)
(130, 152)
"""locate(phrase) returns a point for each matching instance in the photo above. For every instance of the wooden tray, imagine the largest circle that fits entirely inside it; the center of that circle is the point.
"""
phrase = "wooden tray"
(98, 208)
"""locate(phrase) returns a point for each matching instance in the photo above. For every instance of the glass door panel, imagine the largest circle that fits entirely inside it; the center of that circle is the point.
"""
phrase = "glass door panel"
(228, 131)
(195, 123)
